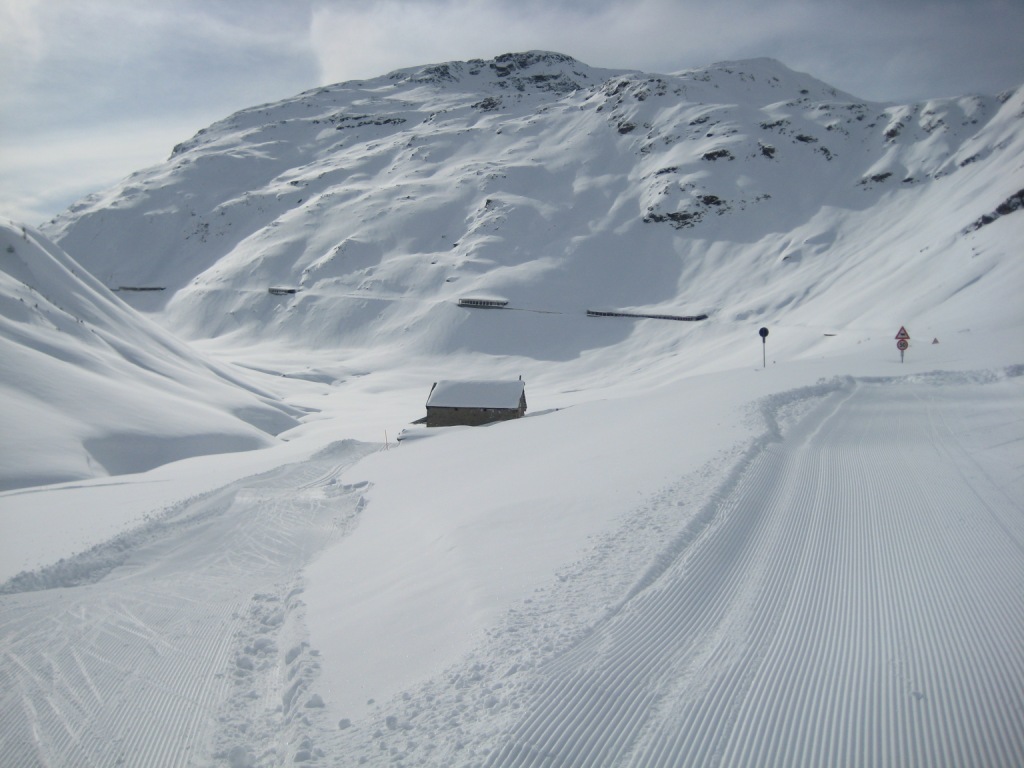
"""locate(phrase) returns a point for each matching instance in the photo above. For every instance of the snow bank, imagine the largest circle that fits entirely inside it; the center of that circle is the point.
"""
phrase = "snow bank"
(91, 388)
(436, 561)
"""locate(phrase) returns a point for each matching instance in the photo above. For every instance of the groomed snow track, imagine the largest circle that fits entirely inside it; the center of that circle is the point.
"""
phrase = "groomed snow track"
(852, 594)
(856, 599)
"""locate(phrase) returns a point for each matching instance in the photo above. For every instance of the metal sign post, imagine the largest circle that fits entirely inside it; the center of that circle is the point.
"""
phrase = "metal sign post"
(764, 337)
(902, 341)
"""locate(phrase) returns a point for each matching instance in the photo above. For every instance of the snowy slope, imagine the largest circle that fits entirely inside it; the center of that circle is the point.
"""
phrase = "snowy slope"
(560, 188)
(842, 563)
(91, 388)
(683, 555)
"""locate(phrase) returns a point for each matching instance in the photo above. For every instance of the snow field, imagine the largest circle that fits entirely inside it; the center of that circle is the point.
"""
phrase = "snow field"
(850, 594)
(832, 575)
(180, 653)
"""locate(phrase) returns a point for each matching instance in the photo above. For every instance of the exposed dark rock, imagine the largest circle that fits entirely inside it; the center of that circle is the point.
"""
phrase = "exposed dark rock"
(342, 122)
(438, 73)
(717, 154)
(511, 61)
(490, 104)
(1013, 203)
(878, 178)
(678, 219)
(615, 86)
(510, 69)
(893, 132)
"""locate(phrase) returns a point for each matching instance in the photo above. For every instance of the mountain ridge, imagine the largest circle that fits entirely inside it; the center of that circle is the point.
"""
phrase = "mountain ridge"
(356, 216)
(279, 156)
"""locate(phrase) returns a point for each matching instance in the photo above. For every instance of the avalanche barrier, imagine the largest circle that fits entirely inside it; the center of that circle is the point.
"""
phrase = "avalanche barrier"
(611, 313)
(484, 303)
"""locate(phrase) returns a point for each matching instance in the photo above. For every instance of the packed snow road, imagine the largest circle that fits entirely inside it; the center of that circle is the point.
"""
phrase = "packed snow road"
(853, 596)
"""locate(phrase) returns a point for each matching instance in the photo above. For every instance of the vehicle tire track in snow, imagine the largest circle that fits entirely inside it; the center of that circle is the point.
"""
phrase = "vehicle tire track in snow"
(131, 669)
(852, 601)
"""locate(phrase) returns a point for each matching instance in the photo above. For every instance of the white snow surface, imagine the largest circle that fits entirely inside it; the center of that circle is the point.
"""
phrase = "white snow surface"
(92, 388)
(696, 549)
(476, 394)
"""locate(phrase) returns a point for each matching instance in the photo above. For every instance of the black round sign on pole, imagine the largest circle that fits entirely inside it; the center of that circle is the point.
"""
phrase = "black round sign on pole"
(764, 333)
(764, 338)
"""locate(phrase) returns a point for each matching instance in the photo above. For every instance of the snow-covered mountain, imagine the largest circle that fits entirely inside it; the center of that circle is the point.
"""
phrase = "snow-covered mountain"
(561, 188)
(330, 237)
(700, 546)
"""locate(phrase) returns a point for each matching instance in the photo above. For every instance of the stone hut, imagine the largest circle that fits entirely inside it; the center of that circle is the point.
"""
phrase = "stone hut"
(473, 403)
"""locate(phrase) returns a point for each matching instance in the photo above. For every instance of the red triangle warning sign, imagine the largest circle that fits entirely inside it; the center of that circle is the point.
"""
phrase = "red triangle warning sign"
(902, 334)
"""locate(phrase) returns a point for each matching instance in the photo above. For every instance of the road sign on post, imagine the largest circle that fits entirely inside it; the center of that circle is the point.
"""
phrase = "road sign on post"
(902, 341)
(764, 337)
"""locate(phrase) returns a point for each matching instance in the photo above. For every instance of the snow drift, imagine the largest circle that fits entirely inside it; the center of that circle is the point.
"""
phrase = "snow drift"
(91, 388)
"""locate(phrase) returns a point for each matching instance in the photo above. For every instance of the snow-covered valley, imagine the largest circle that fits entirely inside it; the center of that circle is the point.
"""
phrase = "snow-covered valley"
(694, 549)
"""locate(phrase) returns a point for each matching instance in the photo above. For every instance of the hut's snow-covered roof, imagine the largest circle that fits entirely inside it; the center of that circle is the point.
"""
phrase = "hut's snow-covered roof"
(476, 394)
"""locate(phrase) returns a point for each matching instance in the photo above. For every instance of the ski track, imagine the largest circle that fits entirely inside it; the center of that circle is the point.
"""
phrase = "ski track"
(854, 602)
(179, 655)
(853, 595)
(850, 593)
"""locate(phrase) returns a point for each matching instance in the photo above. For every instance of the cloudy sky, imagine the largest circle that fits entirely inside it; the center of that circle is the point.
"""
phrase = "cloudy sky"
(91, 90)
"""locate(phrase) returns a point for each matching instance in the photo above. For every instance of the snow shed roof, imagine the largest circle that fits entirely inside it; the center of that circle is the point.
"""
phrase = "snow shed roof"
(476, 394)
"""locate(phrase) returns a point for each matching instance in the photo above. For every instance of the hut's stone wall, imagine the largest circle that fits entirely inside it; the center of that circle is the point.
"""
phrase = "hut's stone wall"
(472, 417)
